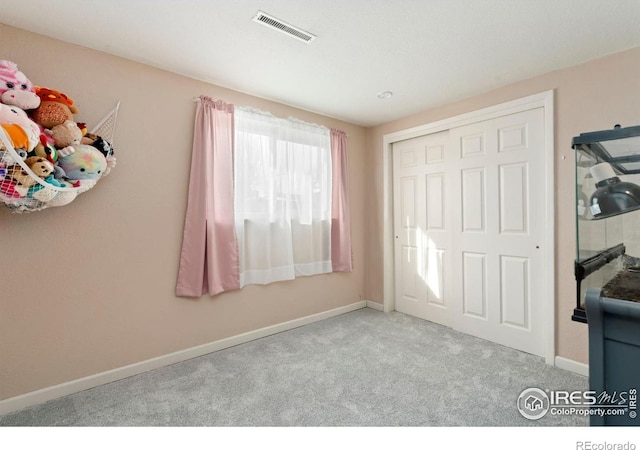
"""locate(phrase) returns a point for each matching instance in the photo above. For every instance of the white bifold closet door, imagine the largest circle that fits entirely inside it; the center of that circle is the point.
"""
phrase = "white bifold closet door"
(468, 225)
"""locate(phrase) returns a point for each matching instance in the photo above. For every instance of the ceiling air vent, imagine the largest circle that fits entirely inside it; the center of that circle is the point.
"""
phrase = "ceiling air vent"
(277, 24)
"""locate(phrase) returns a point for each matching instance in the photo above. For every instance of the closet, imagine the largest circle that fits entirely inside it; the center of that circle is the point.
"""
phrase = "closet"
(469, 228)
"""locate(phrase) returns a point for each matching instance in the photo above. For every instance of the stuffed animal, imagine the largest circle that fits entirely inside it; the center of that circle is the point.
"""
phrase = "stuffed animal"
(22, 132)
(46, 147)
(83, 127)
(98, 142)
(65, 134)
(40, 166)
(9, 188)
(61, 199)
(8, 159)
(55, 107)
(85, 163)
(20, 177)
(45, 194)
(15, 87)
(104, 147)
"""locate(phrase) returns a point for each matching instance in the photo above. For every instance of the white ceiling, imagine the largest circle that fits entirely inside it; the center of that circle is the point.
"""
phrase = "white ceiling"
(428, 52)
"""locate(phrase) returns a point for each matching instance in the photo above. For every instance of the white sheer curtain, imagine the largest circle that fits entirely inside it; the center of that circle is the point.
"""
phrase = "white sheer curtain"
(282, 197)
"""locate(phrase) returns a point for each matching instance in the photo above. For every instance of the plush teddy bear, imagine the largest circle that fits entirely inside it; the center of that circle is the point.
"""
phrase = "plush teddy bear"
(55, 107)
(65, 134)
(18, 175)
(15, 87)
(22, 132)
(40, 166)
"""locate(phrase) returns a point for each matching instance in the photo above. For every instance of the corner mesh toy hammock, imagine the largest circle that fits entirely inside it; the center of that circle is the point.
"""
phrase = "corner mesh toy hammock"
(42, 194)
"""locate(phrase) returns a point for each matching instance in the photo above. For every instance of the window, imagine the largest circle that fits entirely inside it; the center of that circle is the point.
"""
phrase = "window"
(282, 197)
(268, 201)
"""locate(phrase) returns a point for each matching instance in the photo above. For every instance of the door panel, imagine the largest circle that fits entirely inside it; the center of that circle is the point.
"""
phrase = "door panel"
(435, 201)
(474, 284)
(514, 291)
(512, 159)
(473, 200)
(514, 198)
(422, 232)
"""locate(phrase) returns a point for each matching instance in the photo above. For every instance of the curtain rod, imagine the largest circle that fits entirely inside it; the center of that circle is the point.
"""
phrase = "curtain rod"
(197, 99)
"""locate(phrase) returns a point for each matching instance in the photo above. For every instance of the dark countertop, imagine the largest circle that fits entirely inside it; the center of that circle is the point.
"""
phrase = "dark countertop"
(624, 286)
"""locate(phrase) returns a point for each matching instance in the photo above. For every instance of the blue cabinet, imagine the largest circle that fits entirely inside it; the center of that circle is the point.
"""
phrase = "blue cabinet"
(614, 355)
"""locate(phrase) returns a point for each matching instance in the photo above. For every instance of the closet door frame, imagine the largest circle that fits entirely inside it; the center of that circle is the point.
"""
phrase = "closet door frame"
(543, 100)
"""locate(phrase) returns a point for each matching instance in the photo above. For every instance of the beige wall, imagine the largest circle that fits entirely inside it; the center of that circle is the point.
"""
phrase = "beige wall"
(89, 287)
(593, 96)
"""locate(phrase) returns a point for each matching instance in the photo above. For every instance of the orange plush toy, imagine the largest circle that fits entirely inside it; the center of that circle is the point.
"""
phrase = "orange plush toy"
(22, 132)
(55, 108)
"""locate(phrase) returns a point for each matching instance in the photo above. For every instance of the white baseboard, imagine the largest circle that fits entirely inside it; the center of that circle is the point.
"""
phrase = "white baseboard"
(572, 366)
(81, 384)
(375, 305)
